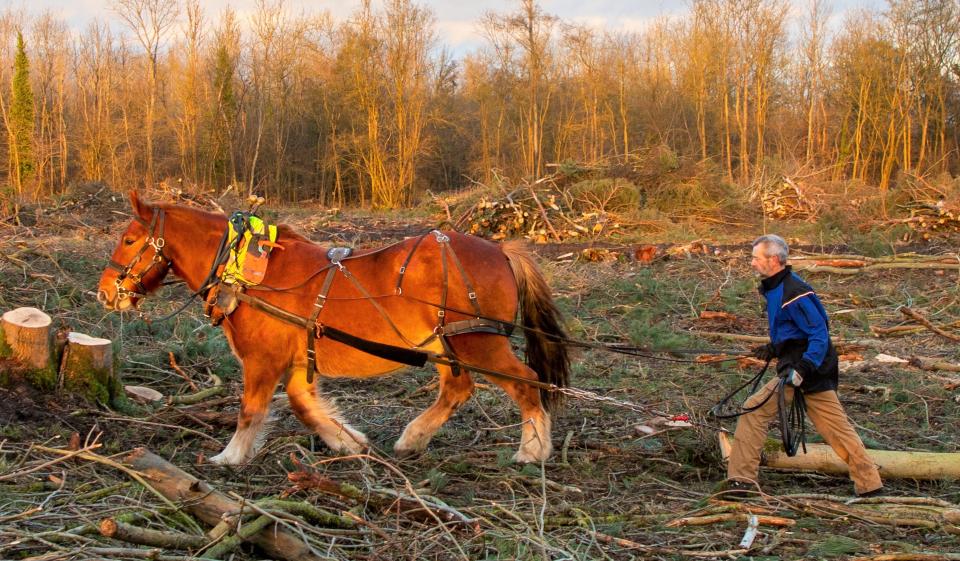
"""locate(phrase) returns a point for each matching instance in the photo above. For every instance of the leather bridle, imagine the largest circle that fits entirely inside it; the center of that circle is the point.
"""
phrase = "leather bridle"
(152, 241)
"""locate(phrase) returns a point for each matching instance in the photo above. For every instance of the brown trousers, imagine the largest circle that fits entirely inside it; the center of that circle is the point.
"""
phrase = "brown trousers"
(827, 414)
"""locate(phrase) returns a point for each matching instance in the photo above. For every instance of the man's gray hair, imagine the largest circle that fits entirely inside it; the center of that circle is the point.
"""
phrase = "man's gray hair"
(774, 245)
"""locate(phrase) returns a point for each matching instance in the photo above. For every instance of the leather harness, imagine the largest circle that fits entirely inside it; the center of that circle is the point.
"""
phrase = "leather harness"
(443, 330)
(412, 355)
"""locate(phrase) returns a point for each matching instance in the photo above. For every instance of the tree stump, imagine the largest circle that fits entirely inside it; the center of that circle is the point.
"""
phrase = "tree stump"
(87, 369)
(25, 337)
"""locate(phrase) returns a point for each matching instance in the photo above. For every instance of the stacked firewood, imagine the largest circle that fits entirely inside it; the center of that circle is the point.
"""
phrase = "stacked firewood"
(787, 199)
(933, 220)
(537, 216)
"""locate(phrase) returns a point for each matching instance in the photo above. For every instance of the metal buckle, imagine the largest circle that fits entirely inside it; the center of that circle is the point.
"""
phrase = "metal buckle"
(441, 237)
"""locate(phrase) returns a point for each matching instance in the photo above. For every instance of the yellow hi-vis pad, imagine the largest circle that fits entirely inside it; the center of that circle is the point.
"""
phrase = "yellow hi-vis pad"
(248, 261)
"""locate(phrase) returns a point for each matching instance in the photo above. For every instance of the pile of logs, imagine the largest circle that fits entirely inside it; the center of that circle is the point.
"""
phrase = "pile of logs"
(539, 217)
(79, 363)
(933, 220)
(787, 199)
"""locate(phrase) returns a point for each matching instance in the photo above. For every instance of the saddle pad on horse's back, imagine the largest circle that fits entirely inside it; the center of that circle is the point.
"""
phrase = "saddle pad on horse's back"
(248, 260)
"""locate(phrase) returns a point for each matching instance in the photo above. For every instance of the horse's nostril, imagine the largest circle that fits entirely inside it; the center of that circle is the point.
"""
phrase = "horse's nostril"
(102, 297)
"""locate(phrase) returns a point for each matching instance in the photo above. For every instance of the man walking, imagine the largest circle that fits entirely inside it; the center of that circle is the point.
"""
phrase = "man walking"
(807, 361)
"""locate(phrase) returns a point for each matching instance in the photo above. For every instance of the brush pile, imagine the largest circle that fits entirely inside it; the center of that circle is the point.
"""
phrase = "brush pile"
(786, 199)
(541, 217)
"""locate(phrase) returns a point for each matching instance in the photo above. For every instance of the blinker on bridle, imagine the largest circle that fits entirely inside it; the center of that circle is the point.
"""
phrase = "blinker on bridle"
(126, 271)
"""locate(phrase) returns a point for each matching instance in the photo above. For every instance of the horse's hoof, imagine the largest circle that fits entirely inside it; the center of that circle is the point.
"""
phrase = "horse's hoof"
(406, 453)
(223, 459)
(351, 442)
(524, 457)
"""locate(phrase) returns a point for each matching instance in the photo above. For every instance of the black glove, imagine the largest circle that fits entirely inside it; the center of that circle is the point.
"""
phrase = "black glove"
(765, 352)
(806, 368)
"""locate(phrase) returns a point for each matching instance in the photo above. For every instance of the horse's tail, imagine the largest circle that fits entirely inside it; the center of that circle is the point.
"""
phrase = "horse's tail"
(546, 350)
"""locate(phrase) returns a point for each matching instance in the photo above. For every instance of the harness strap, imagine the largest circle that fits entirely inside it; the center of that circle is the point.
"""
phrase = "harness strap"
(403, 268)
(382, 350)
(373, 301)
(471, 293)
(312, 323)
(476, 325)
(389, 352)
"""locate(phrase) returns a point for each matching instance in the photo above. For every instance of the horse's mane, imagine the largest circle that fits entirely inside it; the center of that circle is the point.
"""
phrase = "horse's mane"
(284, 230)
(288, 232)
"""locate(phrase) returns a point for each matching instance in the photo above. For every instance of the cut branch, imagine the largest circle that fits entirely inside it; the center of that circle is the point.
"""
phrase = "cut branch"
(926, 323)
(210, 506)
(168, 539)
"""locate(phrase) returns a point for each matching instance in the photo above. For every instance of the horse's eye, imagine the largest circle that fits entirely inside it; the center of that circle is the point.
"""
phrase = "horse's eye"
(128, 241)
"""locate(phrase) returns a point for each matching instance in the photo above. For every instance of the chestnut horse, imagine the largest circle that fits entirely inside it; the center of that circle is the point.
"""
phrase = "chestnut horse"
(167, 237)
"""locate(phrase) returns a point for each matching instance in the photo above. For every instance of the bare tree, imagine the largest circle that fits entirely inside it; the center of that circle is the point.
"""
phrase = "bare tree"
(149, 20)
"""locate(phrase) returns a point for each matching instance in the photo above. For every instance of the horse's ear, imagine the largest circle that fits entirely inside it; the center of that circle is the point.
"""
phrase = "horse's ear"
(140, 208)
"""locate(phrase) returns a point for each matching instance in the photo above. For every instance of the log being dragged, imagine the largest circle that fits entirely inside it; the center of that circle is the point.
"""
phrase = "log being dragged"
(892, 464)
(210, 506)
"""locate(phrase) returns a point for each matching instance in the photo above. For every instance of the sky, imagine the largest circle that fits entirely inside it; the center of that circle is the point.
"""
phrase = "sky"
(456, 20)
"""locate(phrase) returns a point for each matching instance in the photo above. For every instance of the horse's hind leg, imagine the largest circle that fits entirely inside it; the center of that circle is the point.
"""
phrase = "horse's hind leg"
(321, 415)
(494, 353)
(454, 392)
(259, 381)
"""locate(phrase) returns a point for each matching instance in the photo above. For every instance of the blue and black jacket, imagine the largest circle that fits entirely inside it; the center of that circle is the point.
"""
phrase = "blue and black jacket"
(800, 331)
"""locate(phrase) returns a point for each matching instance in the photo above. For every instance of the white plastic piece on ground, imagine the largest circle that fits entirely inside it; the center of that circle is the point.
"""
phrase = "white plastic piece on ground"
(751, 533)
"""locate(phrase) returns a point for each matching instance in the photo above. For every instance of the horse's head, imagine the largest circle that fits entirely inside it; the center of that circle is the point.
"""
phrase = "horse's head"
(138, 264)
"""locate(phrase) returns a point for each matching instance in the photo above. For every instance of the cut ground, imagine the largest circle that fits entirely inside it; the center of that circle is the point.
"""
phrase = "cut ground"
(610, 491)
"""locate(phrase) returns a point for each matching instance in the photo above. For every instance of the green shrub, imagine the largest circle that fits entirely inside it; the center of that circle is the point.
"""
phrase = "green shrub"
(604, 195)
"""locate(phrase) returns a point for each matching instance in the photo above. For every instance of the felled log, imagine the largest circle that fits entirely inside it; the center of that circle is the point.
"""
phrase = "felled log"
(933, 364)
(911, 557)
(25, 337)
(87, 368)
(853, 264)
(841, 346)
(892, 464)
(418, 508)
(118, 530)
(926, 323)
(210, 506)
(762, 519)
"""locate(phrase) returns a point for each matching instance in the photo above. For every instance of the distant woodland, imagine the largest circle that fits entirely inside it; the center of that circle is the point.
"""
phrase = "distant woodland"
(375, 110)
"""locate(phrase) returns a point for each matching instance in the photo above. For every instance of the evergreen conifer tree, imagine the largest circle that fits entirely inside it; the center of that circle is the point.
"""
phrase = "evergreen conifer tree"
(21, 119)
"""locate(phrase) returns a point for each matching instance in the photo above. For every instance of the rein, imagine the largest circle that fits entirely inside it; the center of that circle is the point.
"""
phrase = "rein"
(223, 253)
(411, 356)
(791, 418)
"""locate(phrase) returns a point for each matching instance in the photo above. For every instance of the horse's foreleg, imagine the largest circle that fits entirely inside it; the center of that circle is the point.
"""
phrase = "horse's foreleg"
(454, 392)
(259, 382)
(321, 415)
